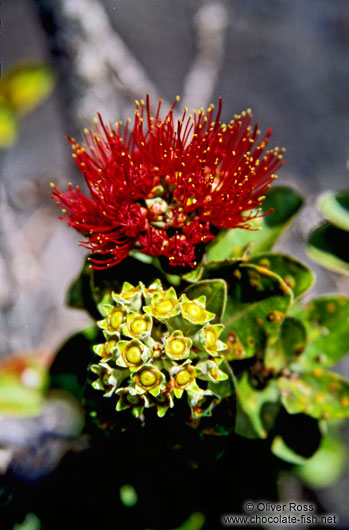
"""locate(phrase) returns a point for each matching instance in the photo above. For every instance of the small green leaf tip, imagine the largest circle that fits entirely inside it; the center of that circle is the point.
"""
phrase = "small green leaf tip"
(159, 348)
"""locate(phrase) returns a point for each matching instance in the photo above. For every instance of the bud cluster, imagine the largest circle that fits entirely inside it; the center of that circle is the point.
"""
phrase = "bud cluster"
(158, 348)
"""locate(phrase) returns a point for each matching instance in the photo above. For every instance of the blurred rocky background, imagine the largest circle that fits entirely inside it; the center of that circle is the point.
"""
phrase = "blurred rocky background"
(286, 59)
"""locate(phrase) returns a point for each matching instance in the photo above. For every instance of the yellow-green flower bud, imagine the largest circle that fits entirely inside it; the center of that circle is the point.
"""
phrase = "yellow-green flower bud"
(154, 289)
(177, 346)
(164, 305)
(194, 310)
(133, 354)
(129, 297)
(128, 398)
(107, 380)
(106, 350)
(116, 319)
(148, 379)
(202, 402)
(138, 326)
(158, 348)
(210, 370)
(209, 338)
(184, 377)
(113, 321)
(163, 402)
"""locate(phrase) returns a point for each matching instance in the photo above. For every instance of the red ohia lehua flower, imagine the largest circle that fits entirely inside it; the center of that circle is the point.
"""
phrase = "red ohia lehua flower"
(166, 187)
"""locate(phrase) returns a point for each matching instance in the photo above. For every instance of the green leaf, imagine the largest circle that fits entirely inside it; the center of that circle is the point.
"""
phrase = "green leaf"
(285, 349)
(193, 276)
(282, 451)
(24, 87)
(319, 394)
(256, 409)
(112, 279)
(80, 294)
(326, 321)
(233, 243)
(92, 286)
(327, 465)
(334, 206)
(329, 246)
(257, 302)
(69, 369)
(294, 273)
(8, 126)
(215, 292)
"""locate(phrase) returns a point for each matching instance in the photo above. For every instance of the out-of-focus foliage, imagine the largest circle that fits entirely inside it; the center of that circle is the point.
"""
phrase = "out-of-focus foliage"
(31, 522)
(329, 243)
(23, 381)
(128, 495)
(21, 90)
(195, 522)
(334, 206)
(326, 466)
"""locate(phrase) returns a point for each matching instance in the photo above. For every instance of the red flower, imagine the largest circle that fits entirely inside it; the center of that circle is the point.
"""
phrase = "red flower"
(166, 186)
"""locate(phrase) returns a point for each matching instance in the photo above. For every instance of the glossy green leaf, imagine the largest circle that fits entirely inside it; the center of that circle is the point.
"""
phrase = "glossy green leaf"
(193, 276)
(329, 246)
(282, 451)
(215, 292)
(319, 394)
(287, 347)
(80, 294)
(257, 302)
(256, 409)
(93, 286)
(233, 243)
(294, 273)
(326, 320)
(24, 87)
(334, 206)
(8, 126)
(327, 465)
